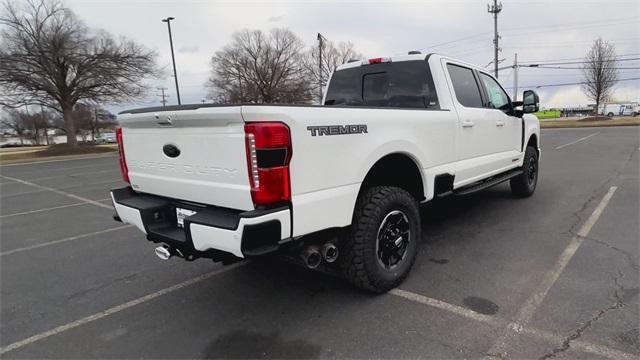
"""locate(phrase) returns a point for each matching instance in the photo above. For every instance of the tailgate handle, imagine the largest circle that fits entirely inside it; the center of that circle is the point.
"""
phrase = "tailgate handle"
(165, 122)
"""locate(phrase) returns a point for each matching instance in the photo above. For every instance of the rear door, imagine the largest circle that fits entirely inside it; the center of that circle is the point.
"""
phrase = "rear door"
(195, 155)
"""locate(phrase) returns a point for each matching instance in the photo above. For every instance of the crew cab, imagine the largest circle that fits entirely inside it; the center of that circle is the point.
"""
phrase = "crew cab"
(337, 185)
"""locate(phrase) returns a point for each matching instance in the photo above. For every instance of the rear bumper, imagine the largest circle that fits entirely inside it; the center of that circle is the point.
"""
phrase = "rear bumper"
(211, 232)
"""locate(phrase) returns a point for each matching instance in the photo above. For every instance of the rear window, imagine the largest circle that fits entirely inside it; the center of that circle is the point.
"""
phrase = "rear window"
(406, 84)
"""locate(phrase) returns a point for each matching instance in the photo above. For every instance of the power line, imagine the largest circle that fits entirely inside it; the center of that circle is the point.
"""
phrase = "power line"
(590, 23)
(580, 58)
(610, 22)
(567, 84)
(574, 28)
(580, 68)
(454, 41)
(581, 62)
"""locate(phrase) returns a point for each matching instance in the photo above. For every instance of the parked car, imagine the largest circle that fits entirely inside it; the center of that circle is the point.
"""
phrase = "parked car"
(337, 185)
(106, 138)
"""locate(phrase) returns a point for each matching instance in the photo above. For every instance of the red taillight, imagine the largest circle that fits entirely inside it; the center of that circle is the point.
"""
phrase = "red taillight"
(123, 162)
(269, 150)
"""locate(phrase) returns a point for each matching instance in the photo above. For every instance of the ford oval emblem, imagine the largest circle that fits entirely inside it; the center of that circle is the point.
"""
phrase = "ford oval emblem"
(171, 150)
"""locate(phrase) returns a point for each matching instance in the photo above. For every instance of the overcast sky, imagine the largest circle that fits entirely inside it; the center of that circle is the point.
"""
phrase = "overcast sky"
(536, 30)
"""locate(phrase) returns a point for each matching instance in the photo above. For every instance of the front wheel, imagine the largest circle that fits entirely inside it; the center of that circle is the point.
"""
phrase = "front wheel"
(524, 184)
(382, 243)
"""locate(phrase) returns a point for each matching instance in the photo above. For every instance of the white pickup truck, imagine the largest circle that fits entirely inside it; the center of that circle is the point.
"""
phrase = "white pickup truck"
(337, 185)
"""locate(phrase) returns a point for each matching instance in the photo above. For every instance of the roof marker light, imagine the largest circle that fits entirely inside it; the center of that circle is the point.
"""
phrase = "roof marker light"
(377, 60)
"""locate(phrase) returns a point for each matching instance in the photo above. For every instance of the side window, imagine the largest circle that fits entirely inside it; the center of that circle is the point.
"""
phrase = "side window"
(465, 86)
(411, 86)
(497, 97)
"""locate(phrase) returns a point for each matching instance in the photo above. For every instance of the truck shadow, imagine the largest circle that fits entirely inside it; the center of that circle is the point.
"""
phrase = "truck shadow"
(441, 217)
(270, 300)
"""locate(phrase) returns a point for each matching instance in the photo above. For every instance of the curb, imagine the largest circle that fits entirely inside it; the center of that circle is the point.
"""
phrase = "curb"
(584, 126)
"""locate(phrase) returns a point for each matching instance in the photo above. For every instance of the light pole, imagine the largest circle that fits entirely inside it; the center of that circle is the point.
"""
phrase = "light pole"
(173, 58)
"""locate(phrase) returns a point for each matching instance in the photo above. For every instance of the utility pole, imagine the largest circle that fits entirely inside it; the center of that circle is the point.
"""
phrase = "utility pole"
(173, 58)
(163, 96)
(321, 40)
(515, 77)
(495, 9)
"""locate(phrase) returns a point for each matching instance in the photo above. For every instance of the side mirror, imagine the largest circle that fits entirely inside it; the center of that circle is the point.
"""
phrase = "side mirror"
(530, 101)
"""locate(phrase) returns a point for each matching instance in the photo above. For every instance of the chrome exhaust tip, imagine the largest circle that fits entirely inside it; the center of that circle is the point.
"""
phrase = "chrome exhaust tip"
(329, 252)
(163, 252)
(311, 257)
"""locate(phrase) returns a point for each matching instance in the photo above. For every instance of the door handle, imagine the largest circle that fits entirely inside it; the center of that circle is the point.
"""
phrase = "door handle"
(500, 123)
(467, 123)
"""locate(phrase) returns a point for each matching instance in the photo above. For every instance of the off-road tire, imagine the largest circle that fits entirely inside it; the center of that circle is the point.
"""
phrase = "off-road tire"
(359, 260)
(523, 185)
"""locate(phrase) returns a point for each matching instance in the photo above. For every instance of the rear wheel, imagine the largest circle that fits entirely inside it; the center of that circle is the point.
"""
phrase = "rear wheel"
(610, 114)
(524, 184)
(381, 246)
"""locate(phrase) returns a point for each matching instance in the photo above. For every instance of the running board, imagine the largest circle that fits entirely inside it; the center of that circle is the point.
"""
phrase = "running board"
(485, 184)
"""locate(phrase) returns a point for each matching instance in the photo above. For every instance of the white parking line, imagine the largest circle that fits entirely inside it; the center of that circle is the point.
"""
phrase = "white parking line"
(527, 311)
(495, 321)
(48, 209)
(59, 160)
(10, 252)
(42, 187)
(76, 174)
(116, 309)
(576, 141)
(444, 306)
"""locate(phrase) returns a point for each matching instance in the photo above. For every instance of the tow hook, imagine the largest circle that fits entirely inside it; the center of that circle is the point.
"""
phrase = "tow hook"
(163, 252)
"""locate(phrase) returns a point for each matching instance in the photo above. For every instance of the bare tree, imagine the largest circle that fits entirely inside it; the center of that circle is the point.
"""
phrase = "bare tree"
(258, 67)
(600, 72)
(49, 57)
(92, 118)
(18, 122)
(332, 56)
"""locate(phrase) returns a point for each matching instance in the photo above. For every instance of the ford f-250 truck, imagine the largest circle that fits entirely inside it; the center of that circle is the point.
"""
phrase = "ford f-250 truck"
(337, 185)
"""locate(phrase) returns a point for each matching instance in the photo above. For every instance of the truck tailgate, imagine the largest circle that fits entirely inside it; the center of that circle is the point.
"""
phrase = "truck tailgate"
(210, 166)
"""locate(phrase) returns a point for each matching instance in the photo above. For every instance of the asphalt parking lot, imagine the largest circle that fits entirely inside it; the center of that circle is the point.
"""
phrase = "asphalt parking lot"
(552, 276)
